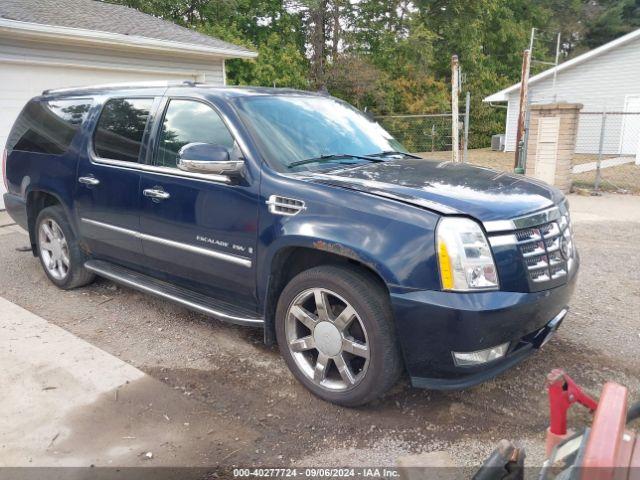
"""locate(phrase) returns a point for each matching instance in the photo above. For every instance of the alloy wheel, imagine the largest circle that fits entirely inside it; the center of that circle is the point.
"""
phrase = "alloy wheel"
(54, 249)
(327, 339)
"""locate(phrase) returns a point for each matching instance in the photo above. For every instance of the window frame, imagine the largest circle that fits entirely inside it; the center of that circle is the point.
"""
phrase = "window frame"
(156, 133)
(145, 133)
(150, 139)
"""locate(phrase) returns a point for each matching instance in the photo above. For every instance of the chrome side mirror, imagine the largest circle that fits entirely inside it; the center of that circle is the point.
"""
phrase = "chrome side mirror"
(208, 158)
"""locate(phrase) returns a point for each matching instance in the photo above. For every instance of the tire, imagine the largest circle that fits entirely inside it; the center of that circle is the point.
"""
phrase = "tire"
(58, 250)
(309, 339)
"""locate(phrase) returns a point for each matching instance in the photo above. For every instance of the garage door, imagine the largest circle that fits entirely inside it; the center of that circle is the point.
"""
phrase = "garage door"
(19, 83)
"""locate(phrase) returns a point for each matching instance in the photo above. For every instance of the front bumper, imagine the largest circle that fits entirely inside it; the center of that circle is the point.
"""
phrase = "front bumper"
(433, 324)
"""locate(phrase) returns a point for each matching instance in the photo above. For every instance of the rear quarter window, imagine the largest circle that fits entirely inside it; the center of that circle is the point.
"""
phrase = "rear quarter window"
(48, 126)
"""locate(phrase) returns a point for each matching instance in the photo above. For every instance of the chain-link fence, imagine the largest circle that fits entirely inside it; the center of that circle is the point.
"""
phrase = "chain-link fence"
(607, 149)
(429, 133)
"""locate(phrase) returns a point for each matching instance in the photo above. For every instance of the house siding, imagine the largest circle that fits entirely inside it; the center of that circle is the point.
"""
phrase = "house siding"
(600, 83)
(27, 68)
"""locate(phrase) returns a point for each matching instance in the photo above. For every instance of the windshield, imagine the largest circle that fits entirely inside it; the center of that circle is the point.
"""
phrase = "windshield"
(291, 129)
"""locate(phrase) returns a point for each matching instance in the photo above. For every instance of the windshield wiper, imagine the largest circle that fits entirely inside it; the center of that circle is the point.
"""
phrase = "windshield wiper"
(333, 156)
(393, 152)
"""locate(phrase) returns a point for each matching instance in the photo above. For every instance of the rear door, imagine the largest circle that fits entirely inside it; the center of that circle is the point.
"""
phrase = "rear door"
(202, 234)
(108, 179)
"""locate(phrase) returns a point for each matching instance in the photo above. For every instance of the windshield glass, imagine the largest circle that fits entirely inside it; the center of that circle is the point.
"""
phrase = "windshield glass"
(297, 127)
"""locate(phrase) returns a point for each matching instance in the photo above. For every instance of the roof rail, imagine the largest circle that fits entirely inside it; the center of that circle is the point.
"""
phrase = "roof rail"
(151, 84)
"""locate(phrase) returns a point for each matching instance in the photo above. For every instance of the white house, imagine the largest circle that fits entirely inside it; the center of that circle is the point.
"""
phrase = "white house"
(603, 79)
(61, 43)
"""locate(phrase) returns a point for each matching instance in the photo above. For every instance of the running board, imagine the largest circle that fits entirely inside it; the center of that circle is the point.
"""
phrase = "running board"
(192, 300)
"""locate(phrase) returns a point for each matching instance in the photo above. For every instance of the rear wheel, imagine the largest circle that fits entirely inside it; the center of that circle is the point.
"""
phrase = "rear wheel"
(335, 331)
(58, 250)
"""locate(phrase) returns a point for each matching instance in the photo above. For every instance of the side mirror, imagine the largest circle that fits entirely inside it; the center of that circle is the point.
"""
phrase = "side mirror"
(208, 158)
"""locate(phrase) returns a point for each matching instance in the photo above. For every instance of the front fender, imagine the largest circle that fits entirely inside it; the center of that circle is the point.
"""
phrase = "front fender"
(394, 240)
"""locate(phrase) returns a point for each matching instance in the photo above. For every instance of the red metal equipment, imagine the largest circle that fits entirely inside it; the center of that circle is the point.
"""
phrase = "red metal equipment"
(608, 450)
(610, 445)
(563, 392)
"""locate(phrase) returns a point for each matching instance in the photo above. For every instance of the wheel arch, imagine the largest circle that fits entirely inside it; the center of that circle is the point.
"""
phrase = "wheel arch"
(291, 260)
(36, 201)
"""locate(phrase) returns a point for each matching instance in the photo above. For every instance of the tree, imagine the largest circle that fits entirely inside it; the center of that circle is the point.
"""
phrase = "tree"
(393, 56)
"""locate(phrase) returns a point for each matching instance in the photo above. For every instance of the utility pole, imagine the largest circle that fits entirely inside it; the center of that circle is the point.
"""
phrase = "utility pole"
(524, 87)
(531, 38)
(455, 118)
(555, 68)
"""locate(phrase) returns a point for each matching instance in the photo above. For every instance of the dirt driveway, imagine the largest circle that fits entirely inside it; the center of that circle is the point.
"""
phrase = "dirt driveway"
(229, 374)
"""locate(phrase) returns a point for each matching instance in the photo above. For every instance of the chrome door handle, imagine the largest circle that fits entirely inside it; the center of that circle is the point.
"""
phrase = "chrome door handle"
(89, 181)
(155, 193)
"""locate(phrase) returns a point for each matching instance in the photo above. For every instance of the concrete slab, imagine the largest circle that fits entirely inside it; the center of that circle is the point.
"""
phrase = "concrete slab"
(67, 403)
(609, 162)
(5, 219)
(609, 207)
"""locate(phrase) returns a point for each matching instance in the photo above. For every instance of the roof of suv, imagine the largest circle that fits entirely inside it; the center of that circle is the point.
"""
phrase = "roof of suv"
(232, 91)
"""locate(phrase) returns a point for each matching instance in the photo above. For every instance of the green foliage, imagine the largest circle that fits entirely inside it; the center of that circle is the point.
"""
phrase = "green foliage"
(393, 56)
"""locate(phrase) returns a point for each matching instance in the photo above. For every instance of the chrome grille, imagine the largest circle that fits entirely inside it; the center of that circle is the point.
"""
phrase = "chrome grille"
(547, 249)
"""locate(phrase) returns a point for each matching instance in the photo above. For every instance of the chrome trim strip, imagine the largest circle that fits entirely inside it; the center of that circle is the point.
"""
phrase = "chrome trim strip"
(539, 218)
(109, 226)
(529, 220)
(173, 172)
(498, 226)
(245, 262)
(503, 240)
(189, 304)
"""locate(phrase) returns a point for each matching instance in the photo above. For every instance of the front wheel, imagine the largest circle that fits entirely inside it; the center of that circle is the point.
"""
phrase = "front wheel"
(335, 331)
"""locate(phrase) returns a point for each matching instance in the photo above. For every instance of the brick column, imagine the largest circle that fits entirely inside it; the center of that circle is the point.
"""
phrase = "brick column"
(552, 140)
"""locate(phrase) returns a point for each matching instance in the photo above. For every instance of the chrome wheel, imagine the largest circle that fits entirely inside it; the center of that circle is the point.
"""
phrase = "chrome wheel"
(327, 339)
(54, 249)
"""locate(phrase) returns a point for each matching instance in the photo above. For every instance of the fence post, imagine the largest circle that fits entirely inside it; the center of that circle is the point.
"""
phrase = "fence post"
(466, 126)
(433, 137)
(596, 185)
(455, 117)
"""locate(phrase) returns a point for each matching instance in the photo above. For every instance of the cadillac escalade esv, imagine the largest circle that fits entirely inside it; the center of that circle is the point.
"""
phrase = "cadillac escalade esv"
(295, 213)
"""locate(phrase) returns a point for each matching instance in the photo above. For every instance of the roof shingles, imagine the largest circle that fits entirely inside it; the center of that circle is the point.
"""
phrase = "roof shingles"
(107, 17)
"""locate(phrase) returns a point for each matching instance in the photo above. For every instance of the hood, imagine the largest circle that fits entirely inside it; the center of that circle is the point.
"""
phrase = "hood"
(447, 187)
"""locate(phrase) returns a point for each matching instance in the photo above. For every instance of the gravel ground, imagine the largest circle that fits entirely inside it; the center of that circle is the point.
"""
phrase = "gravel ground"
(233, 375)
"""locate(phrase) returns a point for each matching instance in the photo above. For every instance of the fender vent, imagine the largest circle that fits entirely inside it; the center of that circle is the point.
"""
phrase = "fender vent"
(284, 206)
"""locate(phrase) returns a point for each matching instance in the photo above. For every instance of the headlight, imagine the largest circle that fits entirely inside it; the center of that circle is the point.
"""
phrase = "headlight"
(464, 256)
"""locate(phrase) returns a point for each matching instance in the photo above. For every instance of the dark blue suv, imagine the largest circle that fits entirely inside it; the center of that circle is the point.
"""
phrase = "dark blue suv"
(295, 213)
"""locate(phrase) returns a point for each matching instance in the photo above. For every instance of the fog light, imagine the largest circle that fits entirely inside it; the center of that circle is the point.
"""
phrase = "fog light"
(465, 359)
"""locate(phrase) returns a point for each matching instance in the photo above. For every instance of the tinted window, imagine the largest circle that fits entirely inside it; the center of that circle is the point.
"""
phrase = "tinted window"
(48, 126)
(186, 121)
(121, 127)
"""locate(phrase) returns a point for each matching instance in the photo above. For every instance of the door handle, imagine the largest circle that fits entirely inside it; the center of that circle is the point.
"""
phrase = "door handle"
(155, 193)
(92, 181)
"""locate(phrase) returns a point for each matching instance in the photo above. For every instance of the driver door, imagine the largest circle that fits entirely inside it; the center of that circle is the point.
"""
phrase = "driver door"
(198, 233)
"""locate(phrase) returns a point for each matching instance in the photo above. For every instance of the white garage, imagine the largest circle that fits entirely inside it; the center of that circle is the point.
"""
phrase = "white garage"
(602, 79)
(63, 43)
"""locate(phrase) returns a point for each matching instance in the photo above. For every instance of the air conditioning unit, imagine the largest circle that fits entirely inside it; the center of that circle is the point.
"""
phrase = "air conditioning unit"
(497, 143)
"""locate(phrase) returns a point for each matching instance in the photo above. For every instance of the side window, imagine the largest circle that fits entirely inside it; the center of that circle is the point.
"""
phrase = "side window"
(188, 121)
(48, 126)
(119, 132)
